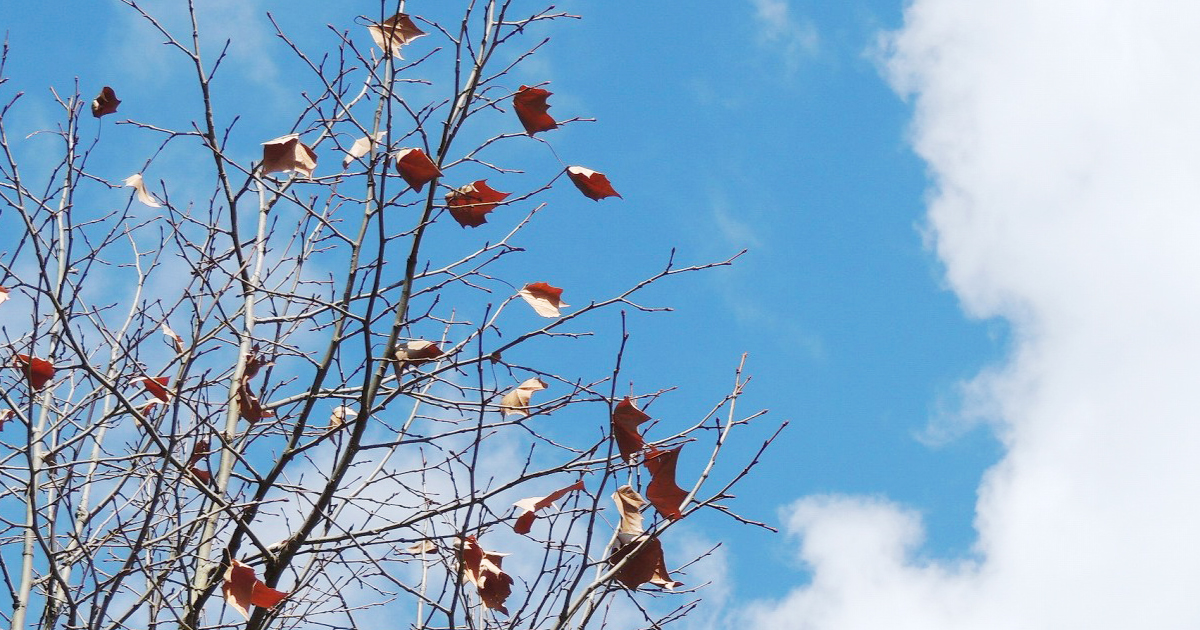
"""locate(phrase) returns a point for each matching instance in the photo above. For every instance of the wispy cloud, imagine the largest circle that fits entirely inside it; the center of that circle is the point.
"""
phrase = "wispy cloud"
(794, 38)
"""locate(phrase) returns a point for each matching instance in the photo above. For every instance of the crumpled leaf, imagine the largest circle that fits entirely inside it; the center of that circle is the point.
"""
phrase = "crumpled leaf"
(203, 475)
(545, 299)
(200, 452)
(242, 589)
(287, 153)
(156, 385)
(517, 401)
(395, 32)
(530, 104)
(361, 147)
(470, 204)
(482, 568)
(340, 415)
(6, 415)
(532, 504)
(138, 184)
(593, 184)
(625, 420)
(647, 563)
(417, 352)
(105, 103)
(416, 168)
(37, 371)
(421, 548)
(3, 295)
(663, 493)
(629, 506)
(173, 338)
(249, 406)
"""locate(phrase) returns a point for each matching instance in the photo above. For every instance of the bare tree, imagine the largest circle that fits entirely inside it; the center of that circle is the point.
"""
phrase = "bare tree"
(267, 394)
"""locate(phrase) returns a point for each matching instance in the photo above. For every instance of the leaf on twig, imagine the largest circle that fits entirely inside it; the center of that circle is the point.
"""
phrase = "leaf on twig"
(340, 415)
(37, 371)
(395, 32)
(517, 401)
(625, 420)
(3, 295)
(629, 505)
(482, 568)
(470, 204)
(416, 168)
(646, 564)
(361, 147)
(6, 415)
(199, 451)
(533, 504)
(593, 184)
(421, 548)
(664, 494)
(105, 103)
(139, 185)
(417, 352)
(287, 153)
(249, 406)
(545, 299)
(173, 338)
(242, 589)
(530, 104)
(156, 385)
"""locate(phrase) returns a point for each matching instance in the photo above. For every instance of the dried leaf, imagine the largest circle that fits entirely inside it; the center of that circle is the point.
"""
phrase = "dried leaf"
(533, 504)
(106, 103)
(629, 505)
(594, 185)
(249, 406)
(199, 451)
(664, 495)
(421, 548)
(242, 589)
(173, 338)
(287, 153)
(203, 475)
(417, 351)
(530, 104)
(517, 401)
(625, 420)
(255, 361)
(6, 415)
(156, 385)
(545, 299)
(361, 147)
(37, 371)
(646, 564)
(482, 568)
(470, 204)
(3, 295)
(395, 32)
(340, 415)
(143, 195)
(150, 406)
(416, 168)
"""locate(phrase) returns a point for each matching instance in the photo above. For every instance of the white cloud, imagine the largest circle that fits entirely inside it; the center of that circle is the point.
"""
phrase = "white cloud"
(1061, 138)
(796, 38)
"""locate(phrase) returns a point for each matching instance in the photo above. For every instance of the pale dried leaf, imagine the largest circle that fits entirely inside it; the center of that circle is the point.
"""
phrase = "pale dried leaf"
(531, 505)
(143, 195)
(395, 32)
(517, 401)
(287, 153)
(173, 338)
(341, 414)
(361, 147)
(545, 299)
(3, 295)
(629, 505)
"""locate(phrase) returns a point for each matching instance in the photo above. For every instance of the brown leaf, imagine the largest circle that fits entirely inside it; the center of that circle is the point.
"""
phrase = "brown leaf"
(242, 589)
(646, 564)
(203, 475)
(517, 401)
(417, 352)
(287, 153)
(629, 505)
(255, 361)
(421, 548)
(156, 385)
(173, 338)
(340, 415)
(533, 504)
(594, 185)
(249, 406)
(395, 32)
(530, 104)
(139, 185)
(482, 568)
(361, 147)
(416, 168)
(106, 103)
(37, 371)
(6, 415)
(470, 204)
(545, 299)
(664, 495)
(625, 420)
(199, 451)
(3, 295)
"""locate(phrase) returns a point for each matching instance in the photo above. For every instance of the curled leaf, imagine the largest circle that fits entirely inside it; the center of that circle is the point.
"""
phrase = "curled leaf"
(287, 153)
(629, 506)
(533, 504)
(203, 475)
(139, 185)
(6, 415)
(417, 351)
(421, 548)
(625, 420)
(470, 204)
(416, 168)
(340, 415)
(593, 184)
(517, 401)
(395, 32)
(173, 338)
(361, 147)
(3, 295)
(105, 103)
(645, 563)
(37, 371)
(545, 299)
(530, 104)
(199, 451)
(482, 568)
(242, 589)
(663, 493)
(156, 385)
(249, 406)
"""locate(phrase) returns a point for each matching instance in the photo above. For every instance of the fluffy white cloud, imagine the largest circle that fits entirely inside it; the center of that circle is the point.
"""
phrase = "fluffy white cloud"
(1062, 139)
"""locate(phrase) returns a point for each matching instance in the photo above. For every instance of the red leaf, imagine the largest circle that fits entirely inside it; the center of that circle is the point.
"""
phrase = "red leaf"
(664, 495)
(37, 371)
(645, 565)
(545, 299)
(203, 475)
(625, 420)
(482, 568)
(199, 451)
(287, 153)
(242, 589)
(106, 103)
(250, 408)
(531, 107)
(416, 168)
(533, 504)
(470, 204)
(156, 385)
(593, 184)
(395, 32)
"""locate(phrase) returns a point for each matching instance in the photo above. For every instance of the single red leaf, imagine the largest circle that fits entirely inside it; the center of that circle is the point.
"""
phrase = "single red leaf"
(156, 385)
(530, 104)
(394, 32)
(646, 564)
(470, 204)
(199, 451)
(482, 568)
(416, 168)
(287, 153)
(105, 103)
(203, 475)
(663, 493)
(37, 371)
(545, 299)
(593, 184)
(255, 362)
(625, 420)
(242, 589)
(533, 504)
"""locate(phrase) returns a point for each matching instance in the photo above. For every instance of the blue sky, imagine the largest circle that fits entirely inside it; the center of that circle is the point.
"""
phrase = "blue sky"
(969, 286)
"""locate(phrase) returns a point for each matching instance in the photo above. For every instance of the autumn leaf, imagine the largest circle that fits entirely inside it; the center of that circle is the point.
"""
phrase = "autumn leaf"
(482, 568)
(664, 495)
(625, 420)
(594, 185)
(199, 451)
(156, 385)
(530, 104)
(173, 338)
(517, 401)
(629, 506)
(416, 168)
(421, 548)
(37, 371)
(340, 415)
(3, 295)
(249, 406)
(417, 351)
(533, 504)
(395, 32)
(255, 361)
(106, 103)
(470, 204)
(361, 147)
(545, 299)
(203, 475)
(645, 564)
(287, 153)
(138, 184)
(242, 589)
(6, 415)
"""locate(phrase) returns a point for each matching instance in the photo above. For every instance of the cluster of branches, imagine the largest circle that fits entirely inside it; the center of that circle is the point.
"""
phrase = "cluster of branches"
(269, 398)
